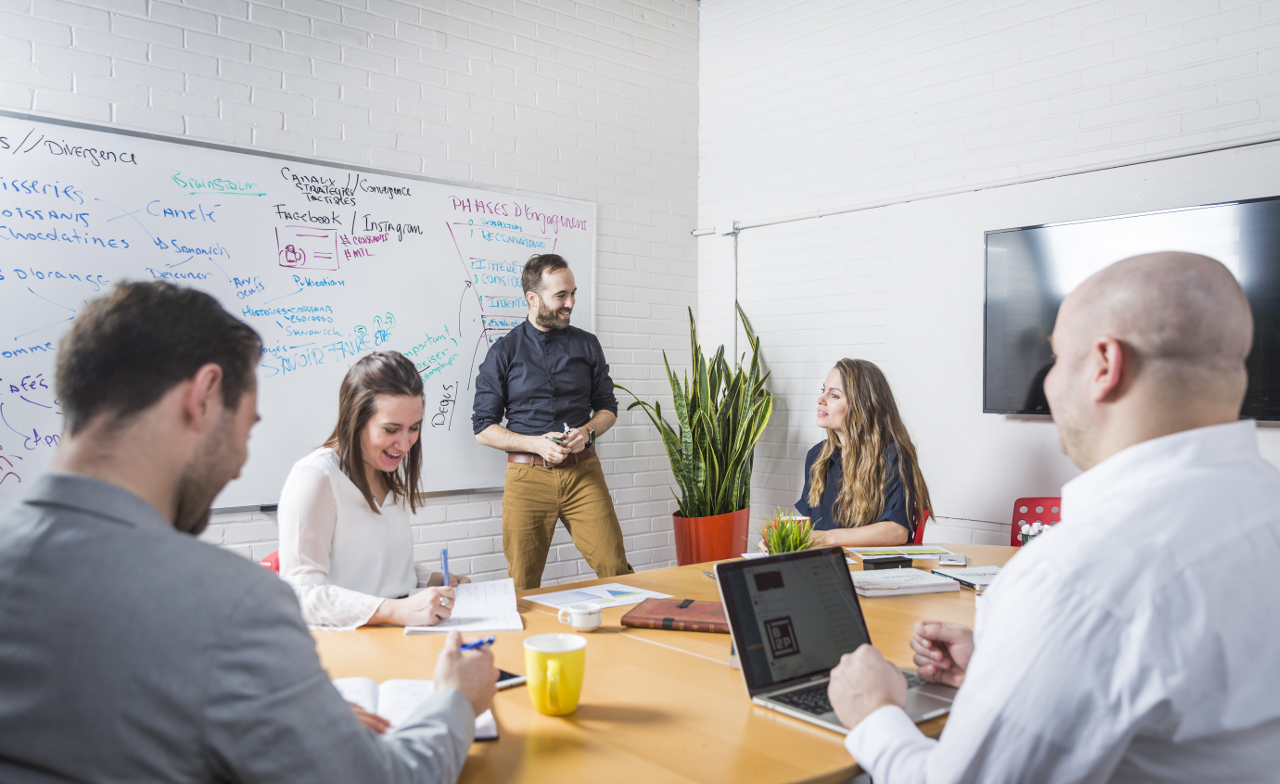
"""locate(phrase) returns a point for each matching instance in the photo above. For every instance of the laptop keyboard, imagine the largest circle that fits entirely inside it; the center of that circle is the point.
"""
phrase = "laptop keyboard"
(810, 699)
(813, 699)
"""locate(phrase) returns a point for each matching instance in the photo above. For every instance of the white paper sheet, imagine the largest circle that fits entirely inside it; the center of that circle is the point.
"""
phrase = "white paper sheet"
(607, 595)
(395, 700)
(481, 607)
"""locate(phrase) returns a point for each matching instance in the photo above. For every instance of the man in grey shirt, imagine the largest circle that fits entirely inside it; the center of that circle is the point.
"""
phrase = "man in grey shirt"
(130, 651)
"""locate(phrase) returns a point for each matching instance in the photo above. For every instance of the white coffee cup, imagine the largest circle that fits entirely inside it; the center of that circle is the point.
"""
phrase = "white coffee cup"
(583, 617)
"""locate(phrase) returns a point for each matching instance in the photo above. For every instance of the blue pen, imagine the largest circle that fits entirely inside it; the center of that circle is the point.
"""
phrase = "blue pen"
(444, 565)
(471, 646)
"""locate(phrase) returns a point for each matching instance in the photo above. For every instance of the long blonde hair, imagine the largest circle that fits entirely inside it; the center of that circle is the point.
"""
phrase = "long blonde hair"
(871, 423)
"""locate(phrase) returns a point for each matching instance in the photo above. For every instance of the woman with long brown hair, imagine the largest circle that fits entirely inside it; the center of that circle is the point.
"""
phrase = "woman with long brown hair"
(863, 486)
(345, 543)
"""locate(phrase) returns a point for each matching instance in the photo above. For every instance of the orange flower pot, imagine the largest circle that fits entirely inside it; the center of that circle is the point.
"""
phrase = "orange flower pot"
(715, 538)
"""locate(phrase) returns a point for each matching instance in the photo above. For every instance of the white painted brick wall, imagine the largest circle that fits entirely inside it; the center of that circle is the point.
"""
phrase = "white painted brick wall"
(810, 104)
(593, 100)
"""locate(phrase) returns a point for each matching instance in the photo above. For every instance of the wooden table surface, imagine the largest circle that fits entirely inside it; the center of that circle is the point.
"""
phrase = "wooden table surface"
(656, 705)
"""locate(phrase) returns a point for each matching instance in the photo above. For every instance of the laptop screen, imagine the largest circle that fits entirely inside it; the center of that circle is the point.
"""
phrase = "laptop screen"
(793, 615)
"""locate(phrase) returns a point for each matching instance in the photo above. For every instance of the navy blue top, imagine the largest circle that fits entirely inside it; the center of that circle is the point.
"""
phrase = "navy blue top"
(541, 381)
(895, 498)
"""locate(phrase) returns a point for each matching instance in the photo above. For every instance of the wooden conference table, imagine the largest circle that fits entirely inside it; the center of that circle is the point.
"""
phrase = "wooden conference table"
(656, 705)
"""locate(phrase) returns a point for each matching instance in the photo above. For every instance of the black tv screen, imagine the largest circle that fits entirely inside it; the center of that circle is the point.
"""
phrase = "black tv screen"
(1031, 269)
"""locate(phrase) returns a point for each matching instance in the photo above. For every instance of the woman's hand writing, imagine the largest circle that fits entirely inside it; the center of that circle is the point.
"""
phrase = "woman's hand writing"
(425, 608)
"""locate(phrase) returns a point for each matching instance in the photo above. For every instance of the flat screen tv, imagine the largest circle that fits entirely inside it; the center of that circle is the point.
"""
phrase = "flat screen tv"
(1031, 269)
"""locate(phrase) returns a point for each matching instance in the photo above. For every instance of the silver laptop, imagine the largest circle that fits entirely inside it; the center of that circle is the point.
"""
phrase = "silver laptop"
(792, 617)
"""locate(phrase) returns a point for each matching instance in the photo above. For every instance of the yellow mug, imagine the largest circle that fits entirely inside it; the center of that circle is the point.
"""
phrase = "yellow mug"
(554, 665)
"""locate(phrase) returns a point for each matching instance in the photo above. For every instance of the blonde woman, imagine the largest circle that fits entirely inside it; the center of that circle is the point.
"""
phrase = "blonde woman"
(862, 486)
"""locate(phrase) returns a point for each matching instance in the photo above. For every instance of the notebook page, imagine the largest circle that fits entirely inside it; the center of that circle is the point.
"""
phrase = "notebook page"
(399, 698)
(361, 691)
(480, 607)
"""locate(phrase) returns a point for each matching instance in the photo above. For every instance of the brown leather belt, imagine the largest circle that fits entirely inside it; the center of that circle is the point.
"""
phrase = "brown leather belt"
(532, 459)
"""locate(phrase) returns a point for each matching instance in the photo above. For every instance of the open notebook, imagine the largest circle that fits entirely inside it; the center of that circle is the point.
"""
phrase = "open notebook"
(395, 700)
(481, 607)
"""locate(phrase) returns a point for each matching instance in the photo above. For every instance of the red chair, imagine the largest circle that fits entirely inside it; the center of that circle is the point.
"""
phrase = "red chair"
(1045, 510)
(272, 561)
(921, 519)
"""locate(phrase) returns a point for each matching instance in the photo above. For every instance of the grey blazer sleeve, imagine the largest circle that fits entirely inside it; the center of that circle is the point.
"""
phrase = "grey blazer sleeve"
(271, 714)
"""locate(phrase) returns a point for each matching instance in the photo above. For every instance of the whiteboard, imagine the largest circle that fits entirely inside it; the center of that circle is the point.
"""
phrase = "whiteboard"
(327, 262)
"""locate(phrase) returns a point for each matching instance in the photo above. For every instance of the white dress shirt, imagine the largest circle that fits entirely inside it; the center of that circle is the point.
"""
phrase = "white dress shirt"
(341, 557)
(1135, 641)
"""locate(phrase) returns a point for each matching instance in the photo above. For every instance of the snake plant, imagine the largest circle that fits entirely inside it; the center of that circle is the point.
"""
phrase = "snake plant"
(720, 415)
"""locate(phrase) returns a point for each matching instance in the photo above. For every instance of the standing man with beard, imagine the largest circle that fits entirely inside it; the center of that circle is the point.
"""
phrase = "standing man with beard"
(133, 652)
(545, 376)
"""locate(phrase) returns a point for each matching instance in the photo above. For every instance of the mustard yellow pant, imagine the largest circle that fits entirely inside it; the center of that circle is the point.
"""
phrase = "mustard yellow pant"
(534, 497)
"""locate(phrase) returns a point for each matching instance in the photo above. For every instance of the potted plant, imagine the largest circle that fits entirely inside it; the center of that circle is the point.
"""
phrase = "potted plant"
(787, 532)
(720, 415)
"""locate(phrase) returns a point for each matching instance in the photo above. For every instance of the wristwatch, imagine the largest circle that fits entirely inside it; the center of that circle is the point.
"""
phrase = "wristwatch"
(592, 440)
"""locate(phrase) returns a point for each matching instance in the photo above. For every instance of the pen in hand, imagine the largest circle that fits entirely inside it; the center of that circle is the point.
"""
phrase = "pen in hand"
(471, 646)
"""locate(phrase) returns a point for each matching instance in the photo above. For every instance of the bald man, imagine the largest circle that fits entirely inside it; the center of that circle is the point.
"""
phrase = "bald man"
(1137, 640)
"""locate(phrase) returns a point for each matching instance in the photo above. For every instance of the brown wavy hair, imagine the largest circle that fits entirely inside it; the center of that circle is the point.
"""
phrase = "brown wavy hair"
(380, 373)
(871, 423)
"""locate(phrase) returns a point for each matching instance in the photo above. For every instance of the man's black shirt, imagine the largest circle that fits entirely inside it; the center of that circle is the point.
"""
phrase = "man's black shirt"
(542, 380)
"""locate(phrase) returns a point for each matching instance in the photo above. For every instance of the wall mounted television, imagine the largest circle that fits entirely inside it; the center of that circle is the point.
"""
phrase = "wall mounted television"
(1030, 270)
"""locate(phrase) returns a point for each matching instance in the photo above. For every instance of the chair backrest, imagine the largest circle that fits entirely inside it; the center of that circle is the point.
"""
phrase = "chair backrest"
(1045, 510)
(272, 561)
(921, 519)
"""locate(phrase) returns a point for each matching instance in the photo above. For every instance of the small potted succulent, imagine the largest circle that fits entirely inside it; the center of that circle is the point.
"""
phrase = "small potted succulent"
(787, 532)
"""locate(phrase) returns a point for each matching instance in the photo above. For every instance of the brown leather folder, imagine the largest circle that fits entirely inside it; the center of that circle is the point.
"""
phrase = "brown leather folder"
(682, 615)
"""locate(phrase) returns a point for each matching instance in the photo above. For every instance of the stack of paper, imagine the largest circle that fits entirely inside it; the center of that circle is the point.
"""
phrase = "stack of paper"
(396, 700)
(480, 607)
(898, 582)
(607, 595)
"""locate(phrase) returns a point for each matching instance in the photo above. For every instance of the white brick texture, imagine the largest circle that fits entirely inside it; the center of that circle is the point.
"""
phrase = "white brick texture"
(593, 100)
(813, 104)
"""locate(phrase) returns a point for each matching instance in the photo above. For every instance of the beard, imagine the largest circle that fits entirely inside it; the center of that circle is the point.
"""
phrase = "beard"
(193, 512)
(204, 479)
(550, 318)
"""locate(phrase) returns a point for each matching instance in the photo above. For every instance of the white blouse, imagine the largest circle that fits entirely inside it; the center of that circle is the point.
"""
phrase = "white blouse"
(340, 557)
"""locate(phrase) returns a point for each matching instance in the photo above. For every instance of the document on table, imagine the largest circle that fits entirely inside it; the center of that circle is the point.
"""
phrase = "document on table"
(480, 607)
(899, 582)
(607, 595)
(905, 551)
(396, 700)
